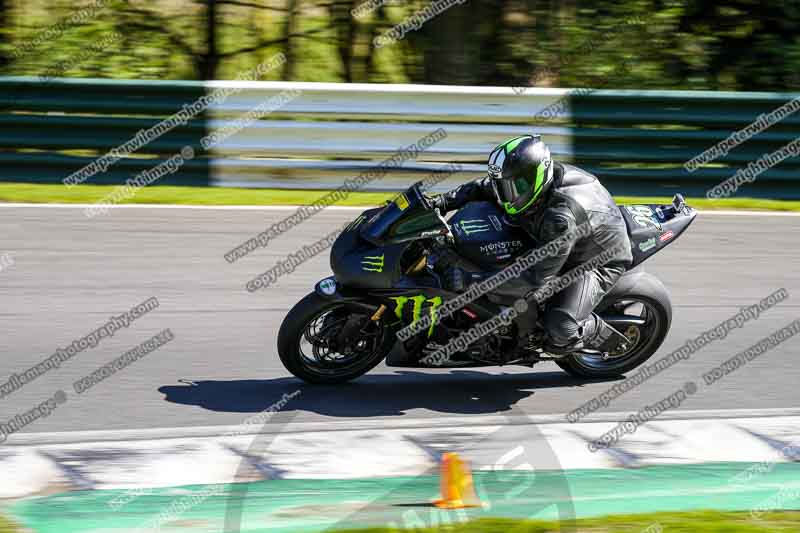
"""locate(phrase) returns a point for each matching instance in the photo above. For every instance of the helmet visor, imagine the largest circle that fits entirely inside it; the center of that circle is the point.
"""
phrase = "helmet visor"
(519, 193)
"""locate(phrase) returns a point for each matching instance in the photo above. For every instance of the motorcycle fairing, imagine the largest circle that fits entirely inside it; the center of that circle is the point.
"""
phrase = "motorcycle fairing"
(652, 227)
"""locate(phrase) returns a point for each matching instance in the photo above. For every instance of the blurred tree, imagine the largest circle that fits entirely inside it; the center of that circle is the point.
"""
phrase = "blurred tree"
(6, 34)
(451, 44)
(692, 44)
(346, 27)
(208, 60)
(746, 43)
(290, 28)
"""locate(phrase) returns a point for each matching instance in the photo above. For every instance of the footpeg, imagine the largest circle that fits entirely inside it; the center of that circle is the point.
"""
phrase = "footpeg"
(607, 340)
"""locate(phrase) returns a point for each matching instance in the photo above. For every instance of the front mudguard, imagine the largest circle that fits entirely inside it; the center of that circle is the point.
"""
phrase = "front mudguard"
(329, 289)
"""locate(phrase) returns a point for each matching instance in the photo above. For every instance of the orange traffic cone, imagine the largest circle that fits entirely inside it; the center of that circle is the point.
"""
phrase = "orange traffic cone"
(457, 489)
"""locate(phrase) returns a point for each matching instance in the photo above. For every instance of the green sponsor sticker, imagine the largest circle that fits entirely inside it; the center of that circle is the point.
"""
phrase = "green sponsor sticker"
(648, 245)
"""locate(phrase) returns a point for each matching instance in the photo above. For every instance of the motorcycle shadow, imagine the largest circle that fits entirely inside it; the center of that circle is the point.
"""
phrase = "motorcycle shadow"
(456, 392)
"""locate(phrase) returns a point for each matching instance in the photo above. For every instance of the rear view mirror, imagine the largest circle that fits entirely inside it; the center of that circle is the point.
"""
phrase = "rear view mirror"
(678, 203)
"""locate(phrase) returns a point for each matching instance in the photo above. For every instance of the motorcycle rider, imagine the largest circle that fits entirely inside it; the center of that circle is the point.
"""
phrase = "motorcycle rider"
(548, 199)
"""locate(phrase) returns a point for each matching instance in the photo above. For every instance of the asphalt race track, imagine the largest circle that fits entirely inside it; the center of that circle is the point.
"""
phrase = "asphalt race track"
(72, 273)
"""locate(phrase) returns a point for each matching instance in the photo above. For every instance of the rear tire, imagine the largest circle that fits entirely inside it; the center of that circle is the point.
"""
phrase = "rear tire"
(654, 297)
(295, 329)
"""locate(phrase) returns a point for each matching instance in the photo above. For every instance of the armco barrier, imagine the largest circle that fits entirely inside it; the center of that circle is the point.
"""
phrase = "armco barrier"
(636, 141)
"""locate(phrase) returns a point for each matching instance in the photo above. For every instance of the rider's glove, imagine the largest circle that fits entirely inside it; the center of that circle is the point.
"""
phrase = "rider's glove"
(437, 202)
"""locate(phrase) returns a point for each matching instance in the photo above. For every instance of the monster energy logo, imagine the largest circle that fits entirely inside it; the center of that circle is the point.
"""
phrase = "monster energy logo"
(372, 263)
(416, 310)
(474, 226)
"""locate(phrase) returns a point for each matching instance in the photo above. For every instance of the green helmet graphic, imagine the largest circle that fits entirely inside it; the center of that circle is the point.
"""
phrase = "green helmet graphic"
(522, 171)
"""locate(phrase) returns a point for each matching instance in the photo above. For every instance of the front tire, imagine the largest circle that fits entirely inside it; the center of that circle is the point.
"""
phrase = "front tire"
(331, 341)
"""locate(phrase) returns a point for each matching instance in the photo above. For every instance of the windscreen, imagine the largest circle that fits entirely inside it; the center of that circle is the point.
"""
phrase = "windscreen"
(404, 204)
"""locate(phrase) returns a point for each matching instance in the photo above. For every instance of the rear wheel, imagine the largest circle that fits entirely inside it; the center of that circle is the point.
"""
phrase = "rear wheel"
(329, 341)
(644, 338)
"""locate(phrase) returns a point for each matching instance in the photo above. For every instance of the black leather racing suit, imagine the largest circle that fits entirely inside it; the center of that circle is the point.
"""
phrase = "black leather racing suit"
(574, 198)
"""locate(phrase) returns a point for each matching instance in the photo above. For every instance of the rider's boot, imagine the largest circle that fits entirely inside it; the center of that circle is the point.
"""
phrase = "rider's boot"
(596, 336)
(599, 335)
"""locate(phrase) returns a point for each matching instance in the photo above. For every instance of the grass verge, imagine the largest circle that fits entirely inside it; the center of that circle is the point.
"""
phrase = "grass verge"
(57, 193)
(691, 522)
(7, 526)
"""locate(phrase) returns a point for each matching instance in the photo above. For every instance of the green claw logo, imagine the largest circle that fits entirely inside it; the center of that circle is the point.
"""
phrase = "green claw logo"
(643, 216)
(474, 226)
(372, 263)
(416, 313)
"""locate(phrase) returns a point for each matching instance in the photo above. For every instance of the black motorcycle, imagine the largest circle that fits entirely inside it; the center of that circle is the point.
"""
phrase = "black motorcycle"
(395, 264)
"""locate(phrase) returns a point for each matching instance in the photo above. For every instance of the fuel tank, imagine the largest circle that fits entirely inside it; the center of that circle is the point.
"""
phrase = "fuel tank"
(486, 236)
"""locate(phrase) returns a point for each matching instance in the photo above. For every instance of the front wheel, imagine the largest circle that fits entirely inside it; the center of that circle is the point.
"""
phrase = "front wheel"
(650, 303)
(330, 341)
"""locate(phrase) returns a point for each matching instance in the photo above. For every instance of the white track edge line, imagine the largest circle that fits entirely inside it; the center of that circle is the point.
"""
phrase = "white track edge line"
(75, 437)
